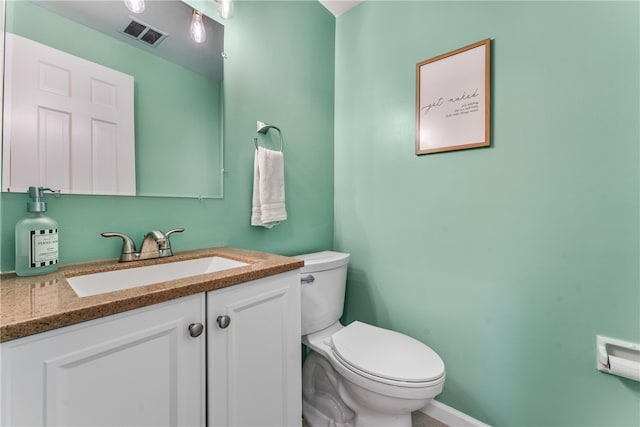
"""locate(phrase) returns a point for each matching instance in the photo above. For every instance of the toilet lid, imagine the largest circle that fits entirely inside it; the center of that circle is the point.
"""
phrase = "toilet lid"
(386, 354)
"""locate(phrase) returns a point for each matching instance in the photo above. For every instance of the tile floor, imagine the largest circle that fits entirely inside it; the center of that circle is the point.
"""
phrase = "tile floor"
(418, 419)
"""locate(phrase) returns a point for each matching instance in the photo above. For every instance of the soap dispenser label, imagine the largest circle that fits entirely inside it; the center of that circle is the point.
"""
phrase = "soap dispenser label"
(44, 248)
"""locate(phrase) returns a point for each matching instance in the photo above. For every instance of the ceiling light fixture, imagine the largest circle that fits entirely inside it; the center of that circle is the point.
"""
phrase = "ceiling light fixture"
(225, 8)
(135, 6)
(197, 32)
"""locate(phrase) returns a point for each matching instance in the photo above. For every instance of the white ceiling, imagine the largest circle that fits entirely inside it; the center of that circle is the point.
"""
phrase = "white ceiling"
(338, 7)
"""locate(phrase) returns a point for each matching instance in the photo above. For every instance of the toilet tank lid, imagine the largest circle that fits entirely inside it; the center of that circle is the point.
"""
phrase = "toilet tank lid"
(325, 260)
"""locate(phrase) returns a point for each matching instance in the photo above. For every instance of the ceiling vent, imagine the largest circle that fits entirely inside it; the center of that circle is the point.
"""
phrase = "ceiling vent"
(144, 33)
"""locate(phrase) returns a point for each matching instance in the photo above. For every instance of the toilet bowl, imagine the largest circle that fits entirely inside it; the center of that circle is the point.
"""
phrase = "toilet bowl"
(357, 375)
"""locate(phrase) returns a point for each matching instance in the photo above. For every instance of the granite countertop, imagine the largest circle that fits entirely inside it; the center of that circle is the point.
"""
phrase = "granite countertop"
(29, 305)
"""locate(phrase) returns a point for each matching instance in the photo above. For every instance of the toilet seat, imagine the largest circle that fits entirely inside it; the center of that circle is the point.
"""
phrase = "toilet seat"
(386, 356)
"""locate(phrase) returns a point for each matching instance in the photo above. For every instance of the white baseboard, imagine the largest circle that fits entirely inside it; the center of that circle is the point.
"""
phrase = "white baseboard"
(449, 416)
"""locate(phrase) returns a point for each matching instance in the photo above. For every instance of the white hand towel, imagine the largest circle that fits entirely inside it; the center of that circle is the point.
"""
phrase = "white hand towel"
(268, 188)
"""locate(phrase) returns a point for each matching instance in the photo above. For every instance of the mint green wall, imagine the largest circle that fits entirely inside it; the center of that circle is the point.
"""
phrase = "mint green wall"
(506, 260)
(280, 70)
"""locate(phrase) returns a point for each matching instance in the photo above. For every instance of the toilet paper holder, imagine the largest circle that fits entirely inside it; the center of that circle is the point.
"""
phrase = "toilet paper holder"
(618, 357)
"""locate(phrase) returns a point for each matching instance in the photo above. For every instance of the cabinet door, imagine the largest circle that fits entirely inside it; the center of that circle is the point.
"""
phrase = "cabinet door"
(254, 362)
(139, 368)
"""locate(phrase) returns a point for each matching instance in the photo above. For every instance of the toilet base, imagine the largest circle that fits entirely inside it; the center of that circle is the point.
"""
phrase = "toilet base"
(387, 421)
(321, 404)
(329, 400)
(315, 418)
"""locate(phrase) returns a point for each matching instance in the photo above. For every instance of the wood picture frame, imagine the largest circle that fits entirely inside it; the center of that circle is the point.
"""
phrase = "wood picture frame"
(453, 100)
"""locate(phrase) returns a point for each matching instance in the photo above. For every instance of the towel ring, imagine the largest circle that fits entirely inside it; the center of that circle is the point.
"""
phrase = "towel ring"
(263, 128)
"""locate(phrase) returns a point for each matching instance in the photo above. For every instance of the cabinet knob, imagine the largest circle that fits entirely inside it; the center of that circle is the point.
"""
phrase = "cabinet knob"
(195, 329)
(223, 321)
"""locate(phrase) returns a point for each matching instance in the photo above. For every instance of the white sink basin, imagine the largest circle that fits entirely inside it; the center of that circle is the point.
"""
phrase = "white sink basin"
(109, 281)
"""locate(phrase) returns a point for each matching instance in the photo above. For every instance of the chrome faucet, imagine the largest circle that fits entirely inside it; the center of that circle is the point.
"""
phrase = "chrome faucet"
(156, 244)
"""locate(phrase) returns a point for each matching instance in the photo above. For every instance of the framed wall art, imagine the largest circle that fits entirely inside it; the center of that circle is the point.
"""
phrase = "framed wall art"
(452, 100)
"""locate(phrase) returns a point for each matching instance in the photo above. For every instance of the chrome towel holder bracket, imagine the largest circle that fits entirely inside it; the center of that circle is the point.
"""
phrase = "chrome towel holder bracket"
(263, 128)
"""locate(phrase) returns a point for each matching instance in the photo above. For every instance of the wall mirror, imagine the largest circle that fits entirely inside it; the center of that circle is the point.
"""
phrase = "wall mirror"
(177, 95)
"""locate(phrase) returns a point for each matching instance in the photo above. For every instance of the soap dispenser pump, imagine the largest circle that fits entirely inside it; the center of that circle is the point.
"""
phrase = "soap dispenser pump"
(36, 237)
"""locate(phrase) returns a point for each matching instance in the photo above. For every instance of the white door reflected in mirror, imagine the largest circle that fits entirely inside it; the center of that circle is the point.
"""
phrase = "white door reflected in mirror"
(71, 122)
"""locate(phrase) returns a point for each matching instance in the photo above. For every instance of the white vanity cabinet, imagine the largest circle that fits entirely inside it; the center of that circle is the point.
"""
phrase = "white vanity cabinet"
(138, 368)
(144, 368)
(254, 353)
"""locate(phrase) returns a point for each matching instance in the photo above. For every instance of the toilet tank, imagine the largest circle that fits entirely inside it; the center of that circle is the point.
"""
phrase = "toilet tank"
(323, 281)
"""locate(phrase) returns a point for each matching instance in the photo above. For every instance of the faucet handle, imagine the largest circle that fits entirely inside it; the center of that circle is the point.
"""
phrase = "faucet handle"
(175, 230)
(128, 246)
(165, 247)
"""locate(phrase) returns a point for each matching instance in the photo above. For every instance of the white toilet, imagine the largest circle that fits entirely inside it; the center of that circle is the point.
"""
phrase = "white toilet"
(357, 375)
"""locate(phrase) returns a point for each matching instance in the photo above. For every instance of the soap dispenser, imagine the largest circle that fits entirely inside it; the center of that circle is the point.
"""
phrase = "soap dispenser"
(36, 238)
